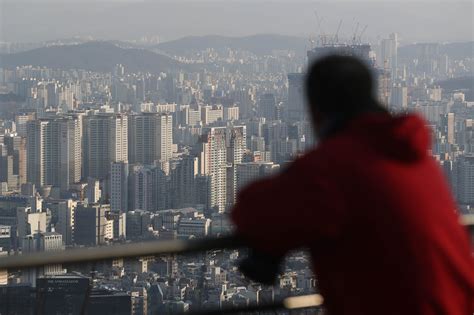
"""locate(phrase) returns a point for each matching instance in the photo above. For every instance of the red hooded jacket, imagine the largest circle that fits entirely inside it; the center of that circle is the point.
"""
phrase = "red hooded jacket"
(378, 217)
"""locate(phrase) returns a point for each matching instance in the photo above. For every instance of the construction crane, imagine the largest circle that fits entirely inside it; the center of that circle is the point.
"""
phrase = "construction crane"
(336, 36)
(320, 27)
(359, 40)
(354, 36)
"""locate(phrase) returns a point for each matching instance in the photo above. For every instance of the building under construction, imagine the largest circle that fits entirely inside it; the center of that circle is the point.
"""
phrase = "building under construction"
(363, 52)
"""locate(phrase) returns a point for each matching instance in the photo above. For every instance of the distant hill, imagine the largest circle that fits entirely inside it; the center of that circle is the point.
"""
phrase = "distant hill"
(94, 56)
(464, 84)
(453, 50)
(257, 44)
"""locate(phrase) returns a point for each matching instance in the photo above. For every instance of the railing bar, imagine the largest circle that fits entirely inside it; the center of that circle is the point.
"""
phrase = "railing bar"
(118, 251)
(149, 248)
(468, 220)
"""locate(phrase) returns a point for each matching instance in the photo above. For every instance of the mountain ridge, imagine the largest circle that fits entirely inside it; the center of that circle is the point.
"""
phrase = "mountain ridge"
(100, 56)
(259, 44)
(455, 50)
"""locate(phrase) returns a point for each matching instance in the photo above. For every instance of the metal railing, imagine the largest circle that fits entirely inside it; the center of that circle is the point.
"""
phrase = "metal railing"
(137, 249)
(88, 254)
(468, 221)
(155, 248)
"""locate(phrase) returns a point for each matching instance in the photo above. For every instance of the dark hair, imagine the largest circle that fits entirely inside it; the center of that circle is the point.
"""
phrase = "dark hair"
(340, 85)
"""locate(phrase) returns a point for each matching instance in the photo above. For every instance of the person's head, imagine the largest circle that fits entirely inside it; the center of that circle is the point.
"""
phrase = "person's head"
(338, 88)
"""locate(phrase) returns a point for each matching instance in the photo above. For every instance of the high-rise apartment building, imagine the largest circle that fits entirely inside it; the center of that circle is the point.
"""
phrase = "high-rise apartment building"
(21, 121)
(213, 164)
(36, 148)
(51, 90)
(466, 136)
(451, 127)
(267, 106)
(105, 141)
(93, 191)
(54, 152)
(389, 54)
(399, 97)
(6, 169)
(211, 114)
(464, 176)
(148, 188)
(231, 113)
(221, 148)
(183, 182)
(236, 146)
(141, 188)
(236, 143)
(64, 212)
(244, 101)
(151, 138)
(119, 175)
(16, 147)
(296, 105)
(189, 116)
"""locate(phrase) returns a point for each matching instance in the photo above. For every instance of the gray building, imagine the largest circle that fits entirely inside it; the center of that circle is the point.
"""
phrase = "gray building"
(92, 226)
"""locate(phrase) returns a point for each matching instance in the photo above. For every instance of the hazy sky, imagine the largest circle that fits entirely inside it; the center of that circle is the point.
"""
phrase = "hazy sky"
(430, 20)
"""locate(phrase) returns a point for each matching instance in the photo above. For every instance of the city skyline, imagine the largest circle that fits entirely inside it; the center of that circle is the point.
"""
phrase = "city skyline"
(130, 136)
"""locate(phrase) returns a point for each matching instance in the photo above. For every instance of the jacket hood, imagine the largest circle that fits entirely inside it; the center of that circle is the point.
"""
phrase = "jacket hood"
(404, 138)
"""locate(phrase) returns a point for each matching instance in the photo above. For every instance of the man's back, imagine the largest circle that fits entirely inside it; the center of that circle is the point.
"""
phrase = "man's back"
(378, 218)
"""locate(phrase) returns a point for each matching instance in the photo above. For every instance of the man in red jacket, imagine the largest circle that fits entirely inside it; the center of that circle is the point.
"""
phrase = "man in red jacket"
(369, 202)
